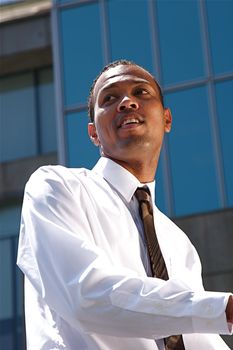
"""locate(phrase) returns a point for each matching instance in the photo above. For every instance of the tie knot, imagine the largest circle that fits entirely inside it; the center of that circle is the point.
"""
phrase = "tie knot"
(143, 194)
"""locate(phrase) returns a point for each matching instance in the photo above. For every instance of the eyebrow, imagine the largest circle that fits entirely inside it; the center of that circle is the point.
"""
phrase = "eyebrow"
(116, 84)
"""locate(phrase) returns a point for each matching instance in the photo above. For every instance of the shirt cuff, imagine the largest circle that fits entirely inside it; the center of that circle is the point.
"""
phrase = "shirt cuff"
(213, 312)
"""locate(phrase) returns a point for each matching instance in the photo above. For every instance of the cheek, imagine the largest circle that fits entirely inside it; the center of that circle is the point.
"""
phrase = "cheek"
(104, 123)
(102, 129)
(99, 122)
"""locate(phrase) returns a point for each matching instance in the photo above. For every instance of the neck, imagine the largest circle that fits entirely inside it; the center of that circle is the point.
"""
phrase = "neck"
(144, 170)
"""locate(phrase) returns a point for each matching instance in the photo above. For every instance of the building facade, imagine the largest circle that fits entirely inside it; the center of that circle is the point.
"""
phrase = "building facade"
(49, 66)
(27, 139)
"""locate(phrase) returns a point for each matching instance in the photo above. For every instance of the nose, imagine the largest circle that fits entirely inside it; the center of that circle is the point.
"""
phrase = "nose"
(127, 103)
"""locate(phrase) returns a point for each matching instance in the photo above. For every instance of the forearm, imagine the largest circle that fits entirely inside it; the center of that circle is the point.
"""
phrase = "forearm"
(105, 299)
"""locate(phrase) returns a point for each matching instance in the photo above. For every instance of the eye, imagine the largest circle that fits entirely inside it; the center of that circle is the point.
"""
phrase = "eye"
(141, 91)
(108, 98)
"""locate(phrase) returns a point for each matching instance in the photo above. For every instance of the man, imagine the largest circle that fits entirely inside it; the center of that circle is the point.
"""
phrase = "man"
(88, 271)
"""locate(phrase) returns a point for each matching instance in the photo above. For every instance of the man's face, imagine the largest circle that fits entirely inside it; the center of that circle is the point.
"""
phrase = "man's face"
(130, 120)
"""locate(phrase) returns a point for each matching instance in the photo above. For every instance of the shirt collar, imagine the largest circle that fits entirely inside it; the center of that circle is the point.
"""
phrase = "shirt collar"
(120, 178)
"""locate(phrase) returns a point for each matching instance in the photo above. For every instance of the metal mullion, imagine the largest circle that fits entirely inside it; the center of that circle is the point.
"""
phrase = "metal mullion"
(14, 292)
(197, 82)
(213, 109)
(156, 64)
(105, 31)
(185, 85)
(76, 108)
(223, 77)
(73, 3)
(37, 112)
(166, 168)
(59, 92)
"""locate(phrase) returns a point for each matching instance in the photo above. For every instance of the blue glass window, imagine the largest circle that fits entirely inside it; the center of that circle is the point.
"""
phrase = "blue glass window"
(27, 118)
(129, 31)
(161, 190)
(61, 1)
(12, 281)
(7, 225)
(180, 41)
(191, 153)
(6, 307)
(224, 94)
(18, 117)
(47, 111)
(81, 51)
(81, 151)
(220, 18)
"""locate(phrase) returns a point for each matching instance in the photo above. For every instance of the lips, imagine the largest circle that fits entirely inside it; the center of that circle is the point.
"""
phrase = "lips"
(129, 121)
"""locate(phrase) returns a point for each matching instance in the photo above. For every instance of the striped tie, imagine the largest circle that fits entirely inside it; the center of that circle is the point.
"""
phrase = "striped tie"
(158, 267)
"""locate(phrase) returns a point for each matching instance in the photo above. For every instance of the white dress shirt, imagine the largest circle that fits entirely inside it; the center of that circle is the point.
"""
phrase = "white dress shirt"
(86, 287)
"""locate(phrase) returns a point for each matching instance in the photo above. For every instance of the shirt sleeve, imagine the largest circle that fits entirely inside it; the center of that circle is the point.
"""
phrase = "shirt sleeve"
(76, 279)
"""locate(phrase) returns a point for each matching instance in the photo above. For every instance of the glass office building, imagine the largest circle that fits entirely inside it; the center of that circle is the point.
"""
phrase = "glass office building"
(187, 46)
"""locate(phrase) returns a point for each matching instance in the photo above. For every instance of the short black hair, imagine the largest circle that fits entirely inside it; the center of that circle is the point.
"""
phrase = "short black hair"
(107, 67)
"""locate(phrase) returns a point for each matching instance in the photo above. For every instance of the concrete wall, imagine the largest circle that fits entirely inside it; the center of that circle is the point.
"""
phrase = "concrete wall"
(212, 235)
(25, 43)
(14, 175)
(25, 34)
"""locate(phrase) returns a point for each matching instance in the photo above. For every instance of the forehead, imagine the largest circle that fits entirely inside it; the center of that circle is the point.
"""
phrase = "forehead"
(123, 73)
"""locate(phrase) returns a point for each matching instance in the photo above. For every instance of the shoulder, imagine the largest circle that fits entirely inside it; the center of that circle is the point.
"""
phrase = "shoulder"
(49, 172)
(53, 178)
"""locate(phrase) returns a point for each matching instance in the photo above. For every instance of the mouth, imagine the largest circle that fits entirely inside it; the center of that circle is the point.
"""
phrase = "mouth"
(130, 122)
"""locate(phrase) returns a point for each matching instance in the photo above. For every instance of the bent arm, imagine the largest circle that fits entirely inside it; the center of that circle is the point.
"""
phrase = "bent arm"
(75, 278)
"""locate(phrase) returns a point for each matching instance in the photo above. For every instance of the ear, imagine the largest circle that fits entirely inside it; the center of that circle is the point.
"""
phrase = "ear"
(93, 134)
(167, 119)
